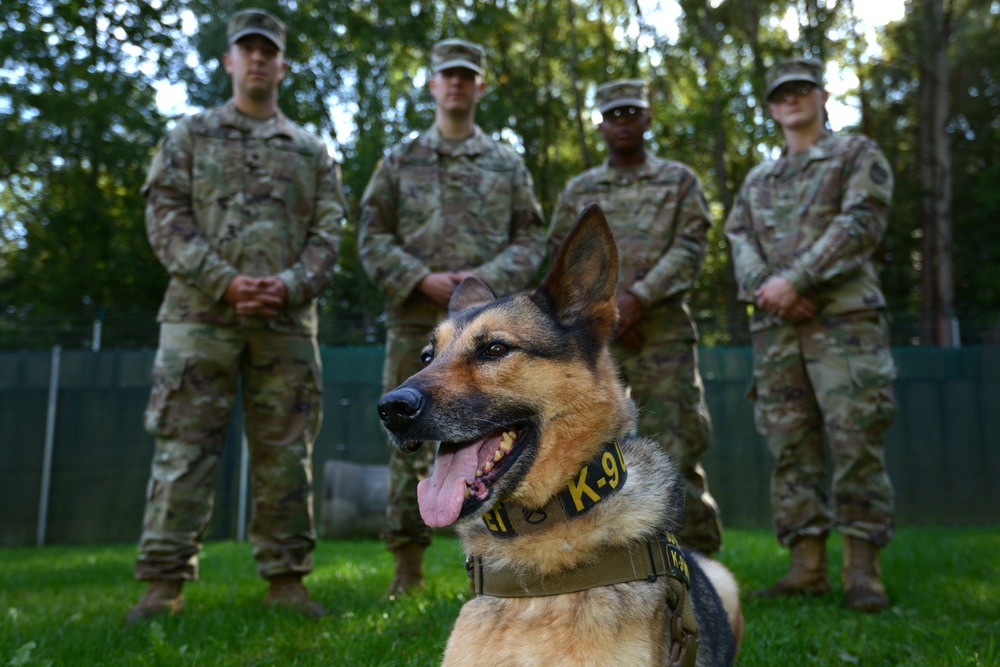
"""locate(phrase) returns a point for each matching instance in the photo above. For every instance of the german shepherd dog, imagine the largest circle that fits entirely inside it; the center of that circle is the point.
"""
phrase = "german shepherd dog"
(565, 513)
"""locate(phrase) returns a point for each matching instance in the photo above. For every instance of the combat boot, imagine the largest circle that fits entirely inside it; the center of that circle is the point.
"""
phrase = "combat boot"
(409, 573)
(162, 596)
(862, 589)
(807, 572)
(287, 590)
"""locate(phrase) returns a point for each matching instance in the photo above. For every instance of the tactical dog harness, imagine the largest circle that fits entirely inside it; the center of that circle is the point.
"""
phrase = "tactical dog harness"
(645, 561)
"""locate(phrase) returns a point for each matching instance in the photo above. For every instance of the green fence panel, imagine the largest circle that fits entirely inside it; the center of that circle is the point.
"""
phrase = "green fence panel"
(942, 449)
(24, 382)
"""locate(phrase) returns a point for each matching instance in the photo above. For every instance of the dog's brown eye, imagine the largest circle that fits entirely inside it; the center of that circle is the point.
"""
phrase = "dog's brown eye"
(426, 358)
(497, 350)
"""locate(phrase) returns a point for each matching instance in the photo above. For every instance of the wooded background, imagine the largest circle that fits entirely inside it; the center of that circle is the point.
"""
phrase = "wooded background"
(79, 122)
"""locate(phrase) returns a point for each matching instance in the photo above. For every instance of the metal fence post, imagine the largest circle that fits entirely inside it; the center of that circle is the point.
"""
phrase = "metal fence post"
(241, 510)
(50, 428)
(95, 339)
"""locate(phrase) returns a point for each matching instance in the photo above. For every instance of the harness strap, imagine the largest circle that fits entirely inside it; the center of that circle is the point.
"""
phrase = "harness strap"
(684, 632)
(636, 562)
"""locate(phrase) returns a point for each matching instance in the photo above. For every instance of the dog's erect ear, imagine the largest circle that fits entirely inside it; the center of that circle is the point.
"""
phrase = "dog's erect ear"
(584, 274)
(470, 292)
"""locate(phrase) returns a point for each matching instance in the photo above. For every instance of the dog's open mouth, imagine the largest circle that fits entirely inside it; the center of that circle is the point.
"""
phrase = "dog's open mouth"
(464, 473)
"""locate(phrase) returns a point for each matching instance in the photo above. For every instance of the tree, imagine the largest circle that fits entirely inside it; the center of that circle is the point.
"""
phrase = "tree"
(943, 142)
(78, 123)
(78, 118)
(938, 306)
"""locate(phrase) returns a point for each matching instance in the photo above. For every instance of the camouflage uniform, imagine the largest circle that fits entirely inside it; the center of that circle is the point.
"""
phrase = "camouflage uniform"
(231, 195)
(437, 205)
(816, 218)
(660, 220)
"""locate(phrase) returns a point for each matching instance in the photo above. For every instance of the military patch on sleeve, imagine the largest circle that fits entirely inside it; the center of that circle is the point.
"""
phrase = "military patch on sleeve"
(878, 174)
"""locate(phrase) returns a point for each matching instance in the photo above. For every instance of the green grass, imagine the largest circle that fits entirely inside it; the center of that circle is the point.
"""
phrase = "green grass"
(65, 606)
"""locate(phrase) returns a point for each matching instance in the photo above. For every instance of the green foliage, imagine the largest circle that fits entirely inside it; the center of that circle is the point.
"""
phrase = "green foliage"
(78, 121)
(65, 606)
(890, 86)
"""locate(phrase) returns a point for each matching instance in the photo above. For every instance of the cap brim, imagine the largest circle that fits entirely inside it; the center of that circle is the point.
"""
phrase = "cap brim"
(464, 64)
(785, 78)
(256, 31)
(623, 102)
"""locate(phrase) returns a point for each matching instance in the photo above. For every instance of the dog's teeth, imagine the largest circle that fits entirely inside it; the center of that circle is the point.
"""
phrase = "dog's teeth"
(506, 445)
(479, 473)
(497, 455)
(488, 466)
(467, 492)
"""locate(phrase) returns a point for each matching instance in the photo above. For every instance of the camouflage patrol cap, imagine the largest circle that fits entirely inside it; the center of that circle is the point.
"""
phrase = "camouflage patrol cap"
(458, 53)
(796, 69)
(256, 22)
(622, 93)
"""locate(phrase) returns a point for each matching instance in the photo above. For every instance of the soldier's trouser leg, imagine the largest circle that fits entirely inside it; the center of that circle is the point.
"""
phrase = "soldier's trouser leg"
(403, 523)
(787, 416)
(667, 387)
(282, 404)
(194, 386)
(851, 368)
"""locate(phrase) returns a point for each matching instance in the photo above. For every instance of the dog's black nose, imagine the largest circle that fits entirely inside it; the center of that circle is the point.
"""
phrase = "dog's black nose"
(400, 407)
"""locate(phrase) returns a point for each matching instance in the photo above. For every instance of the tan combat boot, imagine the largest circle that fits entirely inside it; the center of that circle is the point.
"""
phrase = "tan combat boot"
(807, 572)
(409, 573)
(162, 596)
(287, 590)
(862, 589)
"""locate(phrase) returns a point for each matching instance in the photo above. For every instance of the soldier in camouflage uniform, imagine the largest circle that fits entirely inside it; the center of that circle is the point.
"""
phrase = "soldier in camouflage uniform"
(244, 210)
(660, 220)
(449, 203)
(803, 232)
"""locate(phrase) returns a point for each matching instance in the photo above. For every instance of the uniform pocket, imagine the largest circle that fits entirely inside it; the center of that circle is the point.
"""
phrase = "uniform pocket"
(494, 192)
(292, 182)
(313, 396)
(871, 370)
(875, 403)
(167, 378)
(217, 169)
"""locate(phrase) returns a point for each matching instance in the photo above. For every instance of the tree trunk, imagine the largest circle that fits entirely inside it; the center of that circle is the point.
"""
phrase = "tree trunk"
(939, 320)
(577, 99)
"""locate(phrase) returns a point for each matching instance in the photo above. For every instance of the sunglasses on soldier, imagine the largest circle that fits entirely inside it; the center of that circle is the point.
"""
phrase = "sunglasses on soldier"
(794, 89)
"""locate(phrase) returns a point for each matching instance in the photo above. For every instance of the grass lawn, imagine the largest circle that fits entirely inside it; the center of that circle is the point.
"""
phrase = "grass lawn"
(65, 606)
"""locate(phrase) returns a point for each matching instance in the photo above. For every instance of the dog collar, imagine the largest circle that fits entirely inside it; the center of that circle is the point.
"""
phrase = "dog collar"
(603, 477)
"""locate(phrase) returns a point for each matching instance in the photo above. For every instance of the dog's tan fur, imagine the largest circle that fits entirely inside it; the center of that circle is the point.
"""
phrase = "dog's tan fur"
(577, 403)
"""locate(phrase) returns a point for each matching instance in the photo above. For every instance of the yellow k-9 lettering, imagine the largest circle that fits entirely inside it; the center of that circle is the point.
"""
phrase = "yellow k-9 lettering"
(613, 465)
(580, 487)
(494, 520)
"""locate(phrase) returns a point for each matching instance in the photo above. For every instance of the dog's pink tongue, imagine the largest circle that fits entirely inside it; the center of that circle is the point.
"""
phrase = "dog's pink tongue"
(441, 496)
